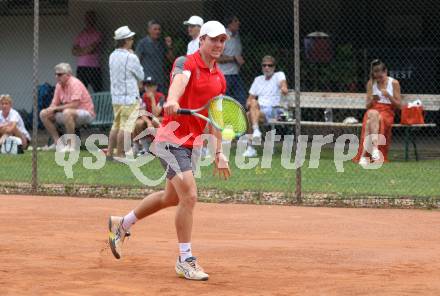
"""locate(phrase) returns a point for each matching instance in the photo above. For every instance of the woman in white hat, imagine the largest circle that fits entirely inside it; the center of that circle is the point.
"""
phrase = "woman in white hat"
(196, 79)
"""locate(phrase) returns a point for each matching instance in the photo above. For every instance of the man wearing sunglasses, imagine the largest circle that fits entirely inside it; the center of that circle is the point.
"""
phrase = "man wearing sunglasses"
(265, 92)
(71, 106)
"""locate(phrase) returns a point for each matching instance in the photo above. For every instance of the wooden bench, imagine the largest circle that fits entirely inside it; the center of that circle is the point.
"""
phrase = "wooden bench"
(354, 101)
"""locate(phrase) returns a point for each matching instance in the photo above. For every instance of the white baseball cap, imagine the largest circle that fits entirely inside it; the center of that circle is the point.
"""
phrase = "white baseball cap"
(194, 20)
(123, 33)
(213, 29)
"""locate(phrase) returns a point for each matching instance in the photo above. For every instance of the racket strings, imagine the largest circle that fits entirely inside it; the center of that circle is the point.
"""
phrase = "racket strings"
(228, 114)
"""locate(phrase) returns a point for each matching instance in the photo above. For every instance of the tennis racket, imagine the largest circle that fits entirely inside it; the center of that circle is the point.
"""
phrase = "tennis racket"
(223, 113)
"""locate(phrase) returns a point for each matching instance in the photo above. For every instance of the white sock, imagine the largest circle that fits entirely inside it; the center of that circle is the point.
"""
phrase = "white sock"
(129, 220)
(185, 251)
(255, 127)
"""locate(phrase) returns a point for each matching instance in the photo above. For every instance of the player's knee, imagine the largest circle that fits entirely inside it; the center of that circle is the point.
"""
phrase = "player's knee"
(189, 200)
(253, 104)
(373, 115)
(43, 114)
(173, 201)
(68, 113)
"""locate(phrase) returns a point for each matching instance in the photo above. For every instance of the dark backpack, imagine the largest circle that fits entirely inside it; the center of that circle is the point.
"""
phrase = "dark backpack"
(45, 96)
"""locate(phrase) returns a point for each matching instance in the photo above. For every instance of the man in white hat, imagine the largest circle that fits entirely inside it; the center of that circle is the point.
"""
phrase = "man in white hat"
(196, 79)
(125, 74)
(194, 24)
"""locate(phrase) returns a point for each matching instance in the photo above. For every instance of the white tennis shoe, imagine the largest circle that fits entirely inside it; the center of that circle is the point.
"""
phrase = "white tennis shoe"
(116, 235)
(190, 270)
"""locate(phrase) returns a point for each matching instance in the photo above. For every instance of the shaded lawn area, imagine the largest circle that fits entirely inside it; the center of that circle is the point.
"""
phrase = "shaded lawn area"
(397, 178)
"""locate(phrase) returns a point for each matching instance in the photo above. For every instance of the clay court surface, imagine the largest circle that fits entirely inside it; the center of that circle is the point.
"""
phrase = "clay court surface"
(57, 246)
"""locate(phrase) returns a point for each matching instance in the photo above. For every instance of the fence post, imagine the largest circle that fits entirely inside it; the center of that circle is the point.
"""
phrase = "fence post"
(297, 63)
(35, 96)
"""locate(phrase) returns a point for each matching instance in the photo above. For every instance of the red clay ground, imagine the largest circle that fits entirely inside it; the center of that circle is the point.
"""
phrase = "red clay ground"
(53, 246)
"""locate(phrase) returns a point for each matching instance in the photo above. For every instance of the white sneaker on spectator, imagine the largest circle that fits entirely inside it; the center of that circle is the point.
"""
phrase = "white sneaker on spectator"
(52, 147)
(130, 153)
(375, 155)
(364, 161)
(256, 134)
(250, 152)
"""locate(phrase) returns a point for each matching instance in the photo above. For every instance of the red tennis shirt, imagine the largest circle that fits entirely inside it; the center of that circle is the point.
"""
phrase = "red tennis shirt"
(203, 85)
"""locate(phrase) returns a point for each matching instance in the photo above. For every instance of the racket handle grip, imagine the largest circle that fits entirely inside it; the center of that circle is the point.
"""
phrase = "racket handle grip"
(184, 111)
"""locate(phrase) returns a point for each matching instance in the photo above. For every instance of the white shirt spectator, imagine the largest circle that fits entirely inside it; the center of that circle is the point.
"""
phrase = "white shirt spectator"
(268, 91)
(125, 73)
(377, 92)
(232, 48)
(193, 46)
(14, 116)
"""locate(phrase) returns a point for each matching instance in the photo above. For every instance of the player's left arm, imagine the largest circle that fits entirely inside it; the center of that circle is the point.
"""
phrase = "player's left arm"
(395, 98)
(283, 87)
(282, 83)
(177, 88)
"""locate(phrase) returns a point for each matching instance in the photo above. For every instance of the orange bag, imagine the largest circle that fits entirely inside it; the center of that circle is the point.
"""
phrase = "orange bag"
(412, 115)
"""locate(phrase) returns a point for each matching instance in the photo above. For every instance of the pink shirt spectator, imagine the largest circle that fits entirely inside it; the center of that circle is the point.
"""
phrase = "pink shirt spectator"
(86, 38)
(72, 91)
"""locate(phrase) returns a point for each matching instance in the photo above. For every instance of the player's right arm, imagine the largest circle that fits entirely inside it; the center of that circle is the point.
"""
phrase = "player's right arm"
(177, 88)
(179, 80)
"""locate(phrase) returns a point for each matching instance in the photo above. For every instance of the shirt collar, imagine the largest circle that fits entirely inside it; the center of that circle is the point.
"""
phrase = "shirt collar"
(201, 63)
(121, 49)
(66, 84)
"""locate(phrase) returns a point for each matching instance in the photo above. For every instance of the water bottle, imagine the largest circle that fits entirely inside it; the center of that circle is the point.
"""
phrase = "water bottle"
(328, 115)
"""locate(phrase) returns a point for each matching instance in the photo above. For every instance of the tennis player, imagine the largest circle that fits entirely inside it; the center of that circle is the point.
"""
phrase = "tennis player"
(195, 79)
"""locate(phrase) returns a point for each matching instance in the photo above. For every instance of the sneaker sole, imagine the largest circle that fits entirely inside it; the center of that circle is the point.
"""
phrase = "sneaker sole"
(111, 239)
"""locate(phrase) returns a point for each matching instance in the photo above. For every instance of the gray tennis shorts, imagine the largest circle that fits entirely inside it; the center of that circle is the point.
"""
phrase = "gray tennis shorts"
(178, 159)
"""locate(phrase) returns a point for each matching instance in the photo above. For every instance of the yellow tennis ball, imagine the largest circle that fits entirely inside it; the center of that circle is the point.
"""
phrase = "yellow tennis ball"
(228, 134)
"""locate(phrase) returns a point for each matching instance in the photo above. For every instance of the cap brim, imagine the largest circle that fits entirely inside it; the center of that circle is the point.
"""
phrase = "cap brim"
(213, 35)
(187, 23)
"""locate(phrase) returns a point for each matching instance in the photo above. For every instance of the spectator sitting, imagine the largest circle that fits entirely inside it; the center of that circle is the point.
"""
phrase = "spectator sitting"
(86, 48)
(265, 92)
(194, 24)
(71, 106)
(383, 98)
(153, 102)
(152, 51)
(11, 123)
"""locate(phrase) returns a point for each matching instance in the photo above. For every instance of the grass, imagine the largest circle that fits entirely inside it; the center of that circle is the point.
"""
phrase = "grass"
(397, 178)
